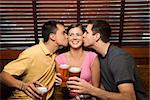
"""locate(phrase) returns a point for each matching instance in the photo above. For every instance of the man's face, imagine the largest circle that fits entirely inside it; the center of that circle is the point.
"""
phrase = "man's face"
(89, 39)
(61, 36)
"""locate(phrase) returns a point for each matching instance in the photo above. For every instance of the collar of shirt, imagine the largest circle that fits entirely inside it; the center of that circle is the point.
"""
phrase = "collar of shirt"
(44, 48)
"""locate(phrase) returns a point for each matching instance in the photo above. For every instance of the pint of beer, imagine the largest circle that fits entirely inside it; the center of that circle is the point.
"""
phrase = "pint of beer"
(74, 71)
(63, 70)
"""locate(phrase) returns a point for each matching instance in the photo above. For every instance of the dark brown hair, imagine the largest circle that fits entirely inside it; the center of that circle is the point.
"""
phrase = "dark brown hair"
(75, 25)
(49, 28)
(102, 27)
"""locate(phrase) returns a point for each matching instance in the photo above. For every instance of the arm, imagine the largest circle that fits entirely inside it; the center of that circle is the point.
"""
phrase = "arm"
(81, 86)
(95, 69)
(9, 80)
(28, 88)
(126, 93)
(58, 80)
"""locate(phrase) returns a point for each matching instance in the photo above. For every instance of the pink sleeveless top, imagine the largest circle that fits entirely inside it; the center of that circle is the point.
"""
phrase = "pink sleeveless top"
(85, 66)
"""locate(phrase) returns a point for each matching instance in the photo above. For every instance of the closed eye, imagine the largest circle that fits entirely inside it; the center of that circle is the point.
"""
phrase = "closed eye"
(77, 34)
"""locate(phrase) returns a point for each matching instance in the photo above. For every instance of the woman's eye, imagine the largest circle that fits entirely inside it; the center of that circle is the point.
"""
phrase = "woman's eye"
(79, 34)
(70, 34)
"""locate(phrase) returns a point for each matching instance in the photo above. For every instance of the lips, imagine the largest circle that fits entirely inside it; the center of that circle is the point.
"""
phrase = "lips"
(75, 42)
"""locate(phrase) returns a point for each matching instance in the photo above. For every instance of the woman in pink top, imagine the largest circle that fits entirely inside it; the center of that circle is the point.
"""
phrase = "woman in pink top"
(76, 56)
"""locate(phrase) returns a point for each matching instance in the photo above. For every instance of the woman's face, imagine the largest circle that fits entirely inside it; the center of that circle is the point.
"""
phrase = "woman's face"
(75, 37)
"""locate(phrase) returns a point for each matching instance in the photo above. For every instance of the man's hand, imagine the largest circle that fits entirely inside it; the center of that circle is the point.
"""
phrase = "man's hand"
(58, 80)
(79, 85)
(28, 88)
(31, 90)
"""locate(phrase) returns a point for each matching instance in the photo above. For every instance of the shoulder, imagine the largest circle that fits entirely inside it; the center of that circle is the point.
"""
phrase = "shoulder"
(118, 54)
(31, 51)
(61, 58)
(91, 54)
(116, 51)
(61, 55)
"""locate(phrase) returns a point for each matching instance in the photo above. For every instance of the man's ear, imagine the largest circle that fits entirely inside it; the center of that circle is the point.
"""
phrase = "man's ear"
(52, 37)
(97, 36)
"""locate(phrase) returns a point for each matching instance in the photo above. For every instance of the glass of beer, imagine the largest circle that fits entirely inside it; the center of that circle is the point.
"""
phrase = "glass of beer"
(43, 91)
(63, 70)
(74, 71)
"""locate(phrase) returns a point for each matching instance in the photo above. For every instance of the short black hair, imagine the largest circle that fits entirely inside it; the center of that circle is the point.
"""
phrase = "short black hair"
(102, 27)
(49, 28)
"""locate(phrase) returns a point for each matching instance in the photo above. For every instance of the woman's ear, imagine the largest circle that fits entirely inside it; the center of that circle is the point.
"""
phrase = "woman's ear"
(52, 37)
(97, 36)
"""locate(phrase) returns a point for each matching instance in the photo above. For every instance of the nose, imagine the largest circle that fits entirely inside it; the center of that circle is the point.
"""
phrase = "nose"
(84, 34)
(66, 36)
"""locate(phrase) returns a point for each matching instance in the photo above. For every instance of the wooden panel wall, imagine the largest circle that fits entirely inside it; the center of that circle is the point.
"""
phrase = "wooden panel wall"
(141, 56)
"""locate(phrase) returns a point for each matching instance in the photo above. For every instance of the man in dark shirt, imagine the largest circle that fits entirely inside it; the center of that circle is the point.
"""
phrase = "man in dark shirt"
(118, 69)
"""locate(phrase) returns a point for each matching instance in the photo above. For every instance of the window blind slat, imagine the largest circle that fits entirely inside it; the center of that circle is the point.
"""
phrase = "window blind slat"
(16, 23)
(136, 21)
(64, 11)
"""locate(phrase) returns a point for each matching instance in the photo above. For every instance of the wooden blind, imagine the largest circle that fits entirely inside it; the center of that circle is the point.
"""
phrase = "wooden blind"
(21, 20)
(60, 10)
(136, 22)
(17, 28)
(108, 10)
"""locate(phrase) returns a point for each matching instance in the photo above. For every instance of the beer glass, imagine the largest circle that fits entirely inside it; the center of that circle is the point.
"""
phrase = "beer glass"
(74, 71)
(63, 70)
(43, 91)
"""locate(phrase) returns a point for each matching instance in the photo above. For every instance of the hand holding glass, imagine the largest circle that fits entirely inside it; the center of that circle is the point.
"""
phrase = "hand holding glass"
(43, 90)
(74, 71)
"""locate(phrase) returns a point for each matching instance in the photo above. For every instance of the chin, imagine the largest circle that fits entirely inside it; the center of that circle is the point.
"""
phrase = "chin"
(76, 47)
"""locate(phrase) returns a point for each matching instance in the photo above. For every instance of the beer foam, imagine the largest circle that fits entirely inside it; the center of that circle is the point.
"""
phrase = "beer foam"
(42, 90)
(74, 69)
(64, 66)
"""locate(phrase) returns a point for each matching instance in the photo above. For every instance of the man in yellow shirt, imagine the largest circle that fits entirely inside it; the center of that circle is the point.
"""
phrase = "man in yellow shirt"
(35, 65)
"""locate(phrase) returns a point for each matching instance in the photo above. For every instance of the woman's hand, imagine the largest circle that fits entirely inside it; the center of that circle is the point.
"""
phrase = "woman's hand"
(58, 80)
(79, 85)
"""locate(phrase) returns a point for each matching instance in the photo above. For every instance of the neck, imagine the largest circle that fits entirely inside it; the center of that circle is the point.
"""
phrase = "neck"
(76, 52)
(51, 46)
(101, 47)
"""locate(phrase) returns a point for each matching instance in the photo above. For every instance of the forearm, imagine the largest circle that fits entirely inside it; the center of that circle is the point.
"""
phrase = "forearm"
(28, 88)
(105, 95)
(10, 81)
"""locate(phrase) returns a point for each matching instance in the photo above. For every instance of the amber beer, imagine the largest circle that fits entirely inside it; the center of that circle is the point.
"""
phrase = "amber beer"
(74, 71)
(63, 70)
